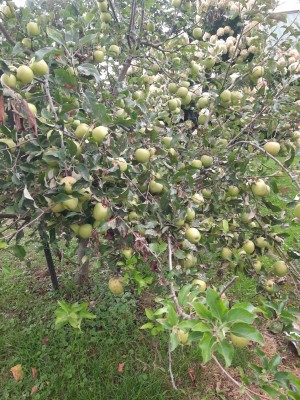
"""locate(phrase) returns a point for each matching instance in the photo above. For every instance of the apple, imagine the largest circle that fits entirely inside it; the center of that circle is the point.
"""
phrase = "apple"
(85, 231)
(100, 212)
(68, 182)
(249, 247)
(226, 253)
(115, 285)
(32, 108)
(39, 68)
(207, 161)
(270, 286)
(193, 235)
(103, 6)
(142, 155)
(167, 141)
(75, 123)
(25, 74)
(201, 284)
(236, 97)
(238, 341)
(208, 62)
(190, 214)
(172, 104)
(260, 188)
(182, 92)
(179, 222)
(196, 164)
(257, 265)
(150, 27)
(82, 131)
(98, 56)
(190, 261)
(122, 163)
(261, 242)
(10, 144)
(138, 95)
(245, 218)
(155, 187)
(133, 216)
(127, 253)
(8, 12)
(99, 133)
(297, 211)
(202, 119)
(225, 97)
(57, 207)
(71, 204)
(75, 228)
(197, 33)
(280, 268)
(202, 102)
(258, 72)
(272, 148)
(105, 17)
(233, 191)
(115, 49)
(181, 335)
(9, 80)
(198, 198)
(176, 3)
(172, 88)
(206, 193)
(33, 29)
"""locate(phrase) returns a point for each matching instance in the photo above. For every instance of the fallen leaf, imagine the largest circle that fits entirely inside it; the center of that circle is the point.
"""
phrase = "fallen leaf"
(192, 376)
(34, 372)
(45, 340)
(34, 390)
(121, 367)
(17, 372)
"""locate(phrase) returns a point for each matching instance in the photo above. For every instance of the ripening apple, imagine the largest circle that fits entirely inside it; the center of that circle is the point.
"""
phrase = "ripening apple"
(198, 198)
(270, 286)
(261, 242)
(202, 102)
(9, 80)
(75, 228)
(98, 56)
(280, 268)
(258, 72)
(225, 97)
(176, 3)
(193, 235)
(182, 92)
(297, 211)
(167, 141)
(260, 188)
(208, 62)
(206, 193)
(39, 68)
(233, 191)
(201, 284)
(179, 222)
(105, 17)
(115, 49)
(68, 182)
(32, 108)
(8, 12)
(10, 144)
(133, 216)
(26, 42)
(181, 335)
(226, 253)
(190, 214)
(85, 231)
(100, 212)
(155, 187)
(249, 247)
(142, 155)
(57, 207)
(238, 341)
(71, 204)
(116, 286)
(127, 252)
(103, 6)
(172, 88)
(122, 163)
(196, 164)
(272, 148)
(172, 104)
(257, 265)
(207, 161)
(33, 29)
(25, 74)
(82, 131)
(197, 33)
(99, 133)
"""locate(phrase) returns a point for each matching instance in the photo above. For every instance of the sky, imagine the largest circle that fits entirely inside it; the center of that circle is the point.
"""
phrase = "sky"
(285, 5)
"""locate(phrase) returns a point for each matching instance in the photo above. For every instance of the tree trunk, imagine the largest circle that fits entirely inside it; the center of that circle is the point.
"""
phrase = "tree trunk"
(48, 255)
(83, 262)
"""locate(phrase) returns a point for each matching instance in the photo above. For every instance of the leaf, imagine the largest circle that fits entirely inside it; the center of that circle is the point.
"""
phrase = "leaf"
(244, 330)
(41, 53)
(182, 294)
(55, 35)
(19, 251)
(84, 172)
(88, 39)
(240, 315)
(3, 245)
(202, 327)
(121, 367)
(206, 346)
(34, 372)
(89, 69)
(26, 194)
(227, 351)
(216, 305)
(34, 390)
(149, 313)
(148, 325)
(201, 311)
(225, 226)
(17, 372)
(172, 316)
(289, 161)
(174, 341)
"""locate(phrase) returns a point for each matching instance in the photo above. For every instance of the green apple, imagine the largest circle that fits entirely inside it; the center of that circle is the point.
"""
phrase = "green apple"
(176, 3)
(142, 155)
(238, 341)
(39, 68)
(10, 144)
(32, 108)
(103, 6)
(257, 265)
(68, 182)
(197, 33)
(202, 103)
(82, 131)
(261, 242)
(198, 198)
(193, 235)
(196, 164)
(105, 17)
(258, 72)
(99, 133)
(116, 286)
(8, 12)
(201, 284)
(167, 141)
(33, 29)
(9, 80)
(206, 193)
(25, 74)
(272, 148)
(155, 187)
(297, 211)
(208, 62)
(75, 228)
(127, 253)
(115, 49)
(249, 247)
(133, 216)
(122, 163)
(172, 104)
(98, 56)
(100, 212)
(190, 214)
(260, 188)
(182, 92)
(207, 161)
(270, 286)
(226, 253)
(71, 204)
(57, 207)
(181, 335)
(233, 191)
(85, 231)
(280, 268)
(172, 88)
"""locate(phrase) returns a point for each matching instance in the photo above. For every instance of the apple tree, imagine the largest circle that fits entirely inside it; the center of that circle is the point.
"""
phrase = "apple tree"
(154, 132)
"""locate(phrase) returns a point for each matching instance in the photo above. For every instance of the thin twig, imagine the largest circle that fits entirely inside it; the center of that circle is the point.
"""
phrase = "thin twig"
(47, 90)
(25, 226)
(227, 286)
(170, 365)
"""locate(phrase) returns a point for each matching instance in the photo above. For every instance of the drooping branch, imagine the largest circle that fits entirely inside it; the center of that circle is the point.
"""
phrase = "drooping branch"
(7, 35)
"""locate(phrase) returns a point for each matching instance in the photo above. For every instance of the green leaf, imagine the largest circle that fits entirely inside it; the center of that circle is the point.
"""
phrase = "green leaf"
(202, 327)
(202, 311)
(227, 351)
(174, 342)
(41, 53)
(216, 305)
(244, 330)
(225, 226)
(182, 295)
(84, 172)
(88, 39)
(3, 245)
(289, 161)
(172, 316)
(239, 315)
(187, 324)
(87, 315)
(89, 69)
(55, 35)
(148, 325)
(149, 313)
(65, 306)
(206, 346)
(19, 251)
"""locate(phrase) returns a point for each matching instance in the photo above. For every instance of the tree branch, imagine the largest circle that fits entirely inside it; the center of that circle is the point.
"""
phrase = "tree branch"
(170, 365)
(112, 7)
(6, 34)
(47, 90)
(227, 286)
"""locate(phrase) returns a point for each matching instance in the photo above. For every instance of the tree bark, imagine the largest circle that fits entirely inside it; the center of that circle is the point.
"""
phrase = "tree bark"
(49, 259)
(83, 262)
